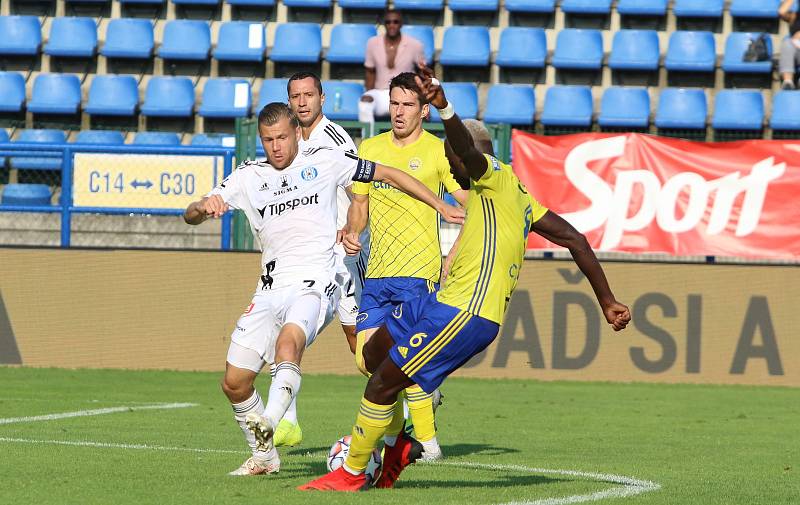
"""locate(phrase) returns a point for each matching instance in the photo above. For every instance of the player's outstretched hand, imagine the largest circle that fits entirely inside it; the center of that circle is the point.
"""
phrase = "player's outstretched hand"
(430, 86)
(214, 206)
(352, 245)
(617, 315)
(452, 214)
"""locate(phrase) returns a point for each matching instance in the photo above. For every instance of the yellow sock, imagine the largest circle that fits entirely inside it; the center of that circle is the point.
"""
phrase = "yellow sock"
(420, 408)
(371, 424)
(397, 420)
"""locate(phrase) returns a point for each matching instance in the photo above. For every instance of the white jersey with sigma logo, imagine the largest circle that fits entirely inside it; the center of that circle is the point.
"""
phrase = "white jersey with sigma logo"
(292, 211)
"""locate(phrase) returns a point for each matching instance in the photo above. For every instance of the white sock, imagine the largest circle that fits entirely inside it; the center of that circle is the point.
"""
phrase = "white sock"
(405, 409)
(431, 445)
(240, 411)
(291, 412)
(282, 391)
(390, 440)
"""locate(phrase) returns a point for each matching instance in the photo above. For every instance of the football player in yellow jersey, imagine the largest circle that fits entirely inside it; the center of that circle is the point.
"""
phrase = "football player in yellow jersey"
(435, 334)
(405, 258)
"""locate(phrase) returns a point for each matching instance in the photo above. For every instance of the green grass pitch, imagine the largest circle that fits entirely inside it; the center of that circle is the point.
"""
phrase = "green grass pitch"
(701, 444)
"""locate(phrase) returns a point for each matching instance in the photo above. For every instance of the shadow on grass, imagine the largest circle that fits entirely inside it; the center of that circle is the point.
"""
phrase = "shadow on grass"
(502, 481)
(478, 449)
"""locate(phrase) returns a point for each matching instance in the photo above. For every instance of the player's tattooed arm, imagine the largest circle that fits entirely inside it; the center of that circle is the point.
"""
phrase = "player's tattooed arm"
(199, 211)
(557, 230)
(457, 134)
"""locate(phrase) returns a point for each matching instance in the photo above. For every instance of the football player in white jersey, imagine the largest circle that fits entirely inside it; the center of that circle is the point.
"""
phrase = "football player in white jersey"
(305, 95)
(290, 203)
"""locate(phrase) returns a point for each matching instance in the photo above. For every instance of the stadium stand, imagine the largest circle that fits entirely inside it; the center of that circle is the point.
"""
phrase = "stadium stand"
(129, 38)
(510, 103)
(463, 96)
(201, 139)
(12, 92)
(55, 94)
(465, 46)
(735, 47)
(682, 110)
(185, 39)
(634, 50)
(21, 35)
(584, 7)
(26, 194)
(522, 47)
(113, 95)
(72, 37)
(3, 140)
(37, 136)
(698, 8)
(625, 108)
(105, 137)
(419, 5)
(272, 90)
(642, 7)
(473, 5)
(363, 4)
(169, 97)
(578, 49)
(691, 51)
(156, 139)
(226, 98)
(341, 99)
(568, 106)
(425, 35)
(241, 41)
(738, 110)
(349, 43)
(297, 43)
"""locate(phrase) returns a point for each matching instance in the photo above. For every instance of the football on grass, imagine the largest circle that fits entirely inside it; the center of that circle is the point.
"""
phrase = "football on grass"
(338, 454)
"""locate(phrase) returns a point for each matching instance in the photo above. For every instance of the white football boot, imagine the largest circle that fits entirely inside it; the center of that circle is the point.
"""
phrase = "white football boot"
(255, 466)
(262, 429)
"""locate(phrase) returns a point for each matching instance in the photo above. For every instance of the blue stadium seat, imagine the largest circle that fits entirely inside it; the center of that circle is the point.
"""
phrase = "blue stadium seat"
(349, 42)
(425, 35)
(12, 92)
(634, 50)
(691, 52)
(113, 95)
(586, 6)
(510, 103)
(201, 139)
(567, 106)
(226, 98)
(463, 96)
(736, 109)
(755, 8)
(522, 47)
(472, 5)
(185, 39)
(624, 108)
(55, 94)
(128, 38)
(682, 109)
(341, 100)
(642, 7)
(419, 5)
(26, 194)
(308, 4)
(735, 47)
(785, 111)
(141, 2)
(72, 37)
(297, 43)
(362, 4)
(43, 162)
(252, 3)
(578, 49)
(106, 137)
(272, 90)
(3, 140)
(698, 8)
(169, 97)
(195, 2)
(465, 46)
(241, 41)
(156, 139)
(531, 6)
(22, 35)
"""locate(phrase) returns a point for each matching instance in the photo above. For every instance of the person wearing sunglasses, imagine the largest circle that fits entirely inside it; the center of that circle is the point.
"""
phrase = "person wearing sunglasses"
(387, 55)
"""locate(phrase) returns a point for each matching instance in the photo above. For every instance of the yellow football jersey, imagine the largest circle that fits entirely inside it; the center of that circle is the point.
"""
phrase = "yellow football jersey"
(486, 268)
(404, 232)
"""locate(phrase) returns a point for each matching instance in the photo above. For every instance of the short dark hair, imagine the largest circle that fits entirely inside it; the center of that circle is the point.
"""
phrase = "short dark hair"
(392, 10)
(299, 76)
(407, 81)
(273, 112)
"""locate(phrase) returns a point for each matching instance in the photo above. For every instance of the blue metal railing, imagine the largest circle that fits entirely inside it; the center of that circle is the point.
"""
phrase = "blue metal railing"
(65, 205)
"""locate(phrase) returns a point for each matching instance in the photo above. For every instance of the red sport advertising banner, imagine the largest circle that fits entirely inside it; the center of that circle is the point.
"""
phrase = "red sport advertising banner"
(645, 194)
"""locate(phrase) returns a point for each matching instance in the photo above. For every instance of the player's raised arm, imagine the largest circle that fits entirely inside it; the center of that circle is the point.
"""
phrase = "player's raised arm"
(557, 230)
(457, 134)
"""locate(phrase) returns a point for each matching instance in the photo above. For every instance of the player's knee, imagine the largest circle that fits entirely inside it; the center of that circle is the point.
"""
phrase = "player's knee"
(379, 390)
(234, 389)
(367, 99)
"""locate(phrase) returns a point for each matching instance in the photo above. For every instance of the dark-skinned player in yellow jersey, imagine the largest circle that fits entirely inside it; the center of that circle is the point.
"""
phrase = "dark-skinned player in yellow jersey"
(431, 336)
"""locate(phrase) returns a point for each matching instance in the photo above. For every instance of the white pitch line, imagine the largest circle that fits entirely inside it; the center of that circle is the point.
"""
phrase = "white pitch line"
(630, 486)
(106, 445)
(95, 412)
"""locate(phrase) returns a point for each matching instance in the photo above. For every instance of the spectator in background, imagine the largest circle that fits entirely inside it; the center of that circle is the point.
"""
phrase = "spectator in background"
(790, 47)
(387, 56)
